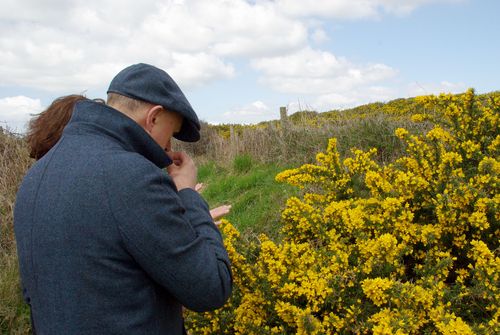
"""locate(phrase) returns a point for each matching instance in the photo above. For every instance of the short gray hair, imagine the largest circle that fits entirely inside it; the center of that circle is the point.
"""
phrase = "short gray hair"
(126, 104)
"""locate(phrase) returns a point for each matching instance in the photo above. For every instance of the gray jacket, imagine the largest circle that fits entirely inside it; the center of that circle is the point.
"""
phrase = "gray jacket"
(106, 243)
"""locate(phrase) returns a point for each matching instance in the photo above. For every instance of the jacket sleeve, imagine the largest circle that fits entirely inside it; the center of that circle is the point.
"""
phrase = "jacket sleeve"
(171, 235)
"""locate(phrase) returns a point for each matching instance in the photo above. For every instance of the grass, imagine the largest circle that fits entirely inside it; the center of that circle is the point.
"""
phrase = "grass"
(14, 161)
(256, 198)
(14, 313)
(242, 163)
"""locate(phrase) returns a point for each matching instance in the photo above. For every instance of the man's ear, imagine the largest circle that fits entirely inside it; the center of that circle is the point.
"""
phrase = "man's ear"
(151, 117)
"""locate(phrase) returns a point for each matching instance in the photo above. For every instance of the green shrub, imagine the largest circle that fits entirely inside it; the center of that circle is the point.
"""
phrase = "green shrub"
(410, 247)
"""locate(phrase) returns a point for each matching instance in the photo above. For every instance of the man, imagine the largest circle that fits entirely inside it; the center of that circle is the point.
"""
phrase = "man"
(108, 242)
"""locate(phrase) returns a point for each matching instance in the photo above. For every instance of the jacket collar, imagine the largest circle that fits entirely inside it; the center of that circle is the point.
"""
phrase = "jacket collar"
(93, 117)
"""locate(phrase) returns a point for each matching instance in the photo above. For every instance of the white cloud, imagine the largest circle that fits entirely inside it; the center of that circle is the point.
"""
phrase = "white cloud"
(16, 111)
(226, 28)
(198, 69)
(307, 62)
(372, 93)
(252, 113)
(356, 97)
(444, 86)
(51, 59)
(319, 36)
(311, 71)
(345, 9)
(257, 30)
(351, 9)
(399, 7)
(342, 100)
(80, 44)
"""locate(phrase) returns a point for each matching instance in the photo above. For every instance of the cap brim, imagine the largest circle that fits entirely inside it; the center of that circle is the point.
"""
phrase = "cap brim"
(189, 132)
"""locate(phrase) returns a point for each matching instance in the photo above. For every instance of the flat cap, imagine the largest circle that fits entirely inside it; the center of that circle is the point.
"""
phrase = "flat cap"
(150, 84)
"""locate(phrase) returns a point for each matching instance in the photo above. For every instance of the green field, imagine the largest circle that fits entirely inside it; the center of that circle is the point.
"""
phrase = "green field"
(249, 187)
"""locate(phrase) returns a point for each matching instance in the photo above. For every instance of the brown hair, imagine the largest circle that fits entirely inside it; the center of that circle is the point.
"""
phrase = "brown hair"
(45, 129)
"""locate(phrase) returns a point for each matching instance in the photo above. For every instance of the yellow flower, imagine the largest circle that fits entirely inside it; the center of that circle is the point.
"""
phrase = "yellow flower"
(375, 289)
(401, 133)
(418, 237)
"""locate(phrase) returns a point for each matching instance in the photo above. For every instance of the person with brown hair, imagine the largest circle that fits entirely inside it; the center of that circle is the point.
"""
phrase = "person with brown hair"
(112, 237)
(46, 128)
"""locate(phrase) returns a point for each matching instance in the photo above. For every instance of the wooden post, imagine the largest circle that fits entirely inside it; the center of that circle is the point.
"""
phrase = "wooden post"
(231, 132)
(283, 115)
(283, 118)
(233, 143)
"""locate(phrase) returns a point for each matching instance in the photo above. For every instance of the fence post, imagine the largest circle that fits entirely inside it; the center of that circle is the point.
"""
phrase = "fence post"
(234, 141)
(283, 118)
(231, 132)
(284, 131)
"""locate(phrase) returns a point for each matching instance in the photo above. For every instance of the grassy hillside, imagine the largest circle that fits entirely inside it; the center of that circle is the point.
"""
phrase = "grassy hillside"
(238, 165)
(256, 198)
(306, 133)
(405, 247)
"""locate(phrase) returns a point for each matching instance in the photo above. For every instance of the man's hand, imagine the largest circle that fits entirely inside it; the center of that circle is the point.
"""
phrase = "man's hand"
(219, 212)
(183, 170)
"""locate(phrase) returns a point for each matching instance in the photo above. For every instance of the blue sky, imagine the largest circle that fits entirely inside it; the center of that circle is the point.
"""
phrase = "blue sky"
(238, 61)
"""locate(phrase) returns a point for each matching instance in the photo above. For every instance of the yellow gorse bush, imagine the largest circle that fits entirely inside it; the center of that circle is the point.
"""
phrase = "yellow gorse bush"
(406, 248)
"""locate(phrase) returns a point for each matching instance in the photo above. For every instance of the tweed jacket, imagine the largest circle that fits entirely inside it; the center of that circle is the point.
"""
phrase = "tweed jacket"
(106, 243)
